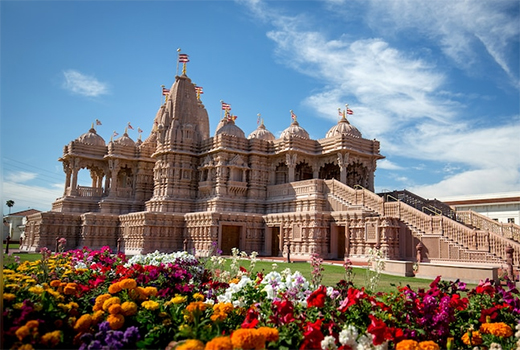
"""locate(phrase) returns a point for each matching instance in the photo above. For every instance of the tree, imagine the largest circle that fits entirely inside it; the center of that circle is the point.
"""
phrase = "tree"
(10, 204)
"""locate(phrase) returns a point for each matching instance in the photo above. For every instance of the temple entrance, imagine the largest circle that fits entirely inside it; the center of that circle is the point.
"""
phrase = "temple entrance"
(230, 239)
(275, 241)
(341, 242)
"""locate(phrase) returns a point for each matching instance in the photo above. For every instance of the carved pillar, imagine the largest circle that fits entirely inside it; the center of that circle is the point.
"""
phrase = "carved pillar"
(68, 174)
(75, 170)
(342, 163)
(291, 164)
(114, 170)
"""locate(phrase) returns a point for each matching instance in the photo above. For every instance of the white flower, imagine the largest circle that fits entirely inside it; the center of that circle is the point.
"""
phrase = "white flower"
(495, 346)
(328, 343)
(348, 336)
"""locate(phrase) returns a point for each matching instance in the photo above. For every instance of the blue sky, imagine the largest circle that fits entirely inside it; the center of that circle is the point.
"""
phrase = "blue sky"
(436, 82)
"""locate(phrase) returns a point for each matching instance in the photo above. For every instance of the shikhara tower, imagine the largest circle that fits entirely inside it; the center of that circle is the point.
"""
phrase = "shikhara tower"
(182, 188)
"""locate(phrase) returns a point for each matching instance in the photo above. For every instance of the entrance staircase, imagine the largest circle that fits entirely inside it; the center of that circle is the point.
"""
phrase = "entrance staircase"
(465, 236)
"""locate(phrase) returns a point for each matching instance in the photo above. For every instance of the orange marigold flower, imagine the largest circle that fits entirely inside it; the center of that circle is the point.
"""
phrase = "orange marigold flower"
(270, 334)
(111, 301)
(32, 324)
(128, 308)
(248, 338)
(116, 321)
(55, 283)
(150, 305)
(191, 344)
(114, 288)
(472, 338)
(196, 306)
(219, 343)
(26, 347)
(407, 344)
(98, 316)
(102, 298)
(428, 345)
(83, 323)
(128, 283)
(499, 329)
(51, 339)
(234, 280)
(22, 332)
(114, 309)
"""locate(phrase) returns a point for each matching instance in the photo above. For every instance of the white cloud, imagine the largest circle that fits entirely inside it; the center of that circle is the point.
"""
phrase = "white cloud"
(82, 84)
(460, 28)
(20, 176)
(388, 165)
(30, 196)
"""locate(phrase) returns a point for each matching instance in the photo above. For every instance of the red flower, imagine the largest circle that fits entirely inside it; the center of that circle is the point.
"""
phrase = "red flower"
(353, 295)
(312, 336)
(317, 298)
(457, 303)
(378, 329)
(492, 313)
(486, 288)
(251, 319)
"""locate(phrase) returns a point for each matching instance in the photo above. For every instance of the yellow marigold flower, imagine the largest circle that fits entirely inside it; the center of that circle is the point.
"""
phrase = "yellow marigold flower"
(150, 305)
(128, 308)
(198, 297)
(499, 329)
(36, 290)
(270, 334)
(73, 305)
(116, 321)
(38, 307)
(55, 283)
(219, 343)
(83, 323)
(17, 306)
(114, 309)
(179, 299)
(26, 347)
(114, 288)
(128, 283)
(8, 272)
(11, 286)
(110, 301)
(22, 332)
(407, 344)
(9, 296)
(472, 339)
(191, 344)
(98, 316)
(248, 338)
(138, 293)
(428, 345)
(150, 291)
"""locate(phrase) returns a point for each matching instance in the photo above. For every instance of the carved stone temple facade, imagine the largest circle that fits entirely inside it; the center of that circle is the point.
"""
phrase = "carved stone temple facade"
(182, 188)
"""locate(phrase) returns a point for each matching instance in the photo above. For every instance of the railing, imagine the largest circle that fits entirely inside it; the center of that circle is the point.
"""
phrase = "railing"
(85, 191)
(472, 218)
(483, 240)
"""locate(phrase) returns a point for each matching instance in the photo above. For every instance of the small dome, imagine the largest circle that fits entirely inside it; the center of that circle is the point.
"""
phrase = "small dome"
(125, 140)
(91, 138)
(295, 130)
(261, 133)
(343, 128)
(229, 128)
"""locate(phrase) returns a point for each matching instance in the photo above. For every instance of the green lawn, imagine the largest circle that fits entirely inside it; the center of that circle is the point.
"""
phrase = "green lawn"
(331, 275)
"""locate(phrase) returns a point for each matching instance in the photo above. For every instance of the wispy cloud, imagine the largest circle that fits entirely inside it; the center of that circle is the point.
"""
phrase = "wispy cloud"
(82, 84)
(20, 176)
(406, 94)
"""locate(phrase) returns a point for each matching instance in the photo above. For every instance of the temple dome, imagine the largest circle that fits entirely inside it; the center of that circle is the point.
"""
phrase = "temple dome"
(295, 130)
(343, 128)
(125, 140)
(261, 133)
(230, 128)
(91, 138)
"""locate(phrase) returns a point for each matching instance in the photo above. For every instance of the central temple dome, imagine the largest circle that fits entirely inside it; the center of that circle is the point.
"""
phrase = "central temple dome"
(91, 138)
(343, 128)
(261, 133)
(230, 128)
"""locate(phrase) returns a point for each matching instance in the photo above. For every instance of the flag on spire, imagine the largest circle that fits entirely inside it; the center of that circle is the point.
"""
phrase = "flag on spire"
(225, 106)
(115, 133)
(183, 58)
(98, 122)
(165, 91)
(258, 119)
(293, 116)
(139, 130)
(130, 126)
(349, 111)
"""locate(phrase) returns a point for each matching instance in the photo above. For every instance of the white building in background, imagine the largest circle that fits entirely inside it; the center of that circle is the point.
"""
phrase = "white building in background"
(14, 224)
(503, 207)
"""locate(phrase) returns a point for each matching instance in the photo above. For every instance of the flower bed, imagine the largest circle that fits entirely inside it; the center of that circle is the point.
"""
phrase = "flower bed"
(87, 299)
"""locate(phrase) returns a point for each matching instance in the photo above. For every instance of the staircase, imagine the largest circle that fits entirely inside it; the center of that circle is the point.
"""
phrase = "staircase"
(481, 243)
